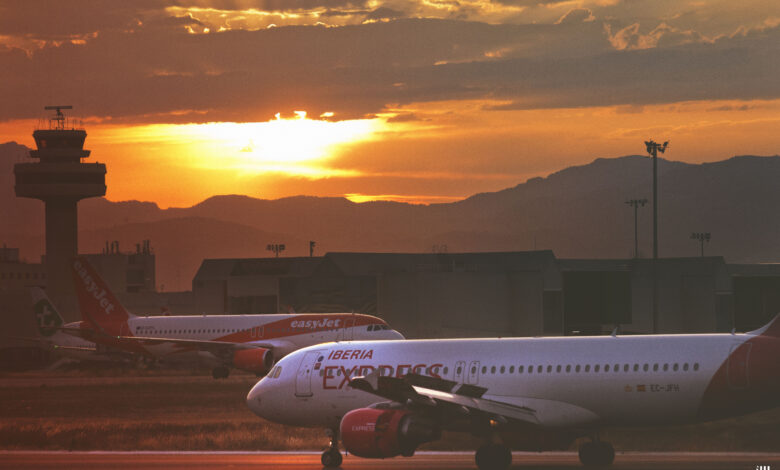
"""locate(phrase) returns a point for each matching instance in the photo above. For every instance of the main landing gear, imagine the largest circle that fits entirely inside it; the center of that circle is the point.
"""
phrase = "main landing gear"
(332, 458)
(597, 453)
(493, 457)
(220, 372)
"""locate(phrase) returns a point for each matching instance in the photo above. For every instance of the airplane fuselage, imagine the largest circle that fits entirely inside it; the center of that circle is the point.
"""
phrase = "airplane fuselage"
(568, 382)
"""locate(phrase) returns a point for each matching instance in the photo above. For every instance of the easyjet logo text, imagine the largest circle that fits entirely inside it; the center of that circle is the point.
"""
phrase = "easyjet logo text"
(92, 288)
(324, 323)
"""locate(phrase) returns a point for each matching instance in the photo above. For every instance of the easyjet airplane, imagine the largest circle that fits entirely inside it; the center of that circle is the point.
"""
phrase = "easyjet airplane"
(386, 398)
(248, 342)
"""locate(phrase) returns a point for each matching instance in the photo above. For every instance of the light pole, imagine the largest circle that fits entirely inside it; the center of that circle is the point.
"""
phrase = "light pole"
(653, 148)
(635, 203)
(702, 237)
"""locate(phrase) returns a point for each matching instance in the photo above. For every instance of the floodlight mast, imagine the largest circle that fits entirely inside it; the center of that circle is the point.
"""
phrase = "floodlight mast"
(702, 237)
(635, 203)
(653, 148)
(276, 248)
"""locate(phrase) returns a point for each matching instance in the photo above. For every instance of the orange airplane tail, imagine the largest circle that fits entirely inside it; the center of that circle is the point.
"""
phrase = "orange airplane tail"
(99, 307)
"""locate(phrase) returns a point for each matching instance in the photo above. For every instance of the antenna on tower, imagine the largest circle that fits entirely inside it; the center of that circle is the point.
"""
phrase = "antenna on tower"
(59, 117)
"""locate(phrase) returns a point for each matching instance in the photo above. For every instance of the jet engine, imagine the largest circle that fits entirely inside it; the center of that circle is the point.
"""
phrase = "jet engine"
(382, 433)
(257, 360)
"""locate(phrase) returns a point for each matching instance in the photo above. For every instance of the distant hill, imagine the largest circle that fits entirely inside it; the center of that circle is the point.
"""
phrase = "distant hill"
(577, 212)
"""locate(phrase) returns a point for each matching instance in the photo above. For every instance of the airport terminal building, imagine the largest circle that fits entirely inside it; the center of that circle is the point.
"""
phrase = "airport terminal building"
(499, 294)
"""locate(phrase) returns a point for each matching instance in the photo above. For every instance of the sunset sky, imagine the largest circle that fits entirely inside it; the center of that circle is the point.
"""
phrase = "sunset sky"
(407, 100)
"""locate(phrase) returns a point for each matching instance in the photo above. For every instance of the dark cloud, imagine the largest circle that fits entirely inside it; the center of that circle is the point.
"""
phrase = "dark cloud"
(384, 13)
(157, 71)
(53, 20)
(408, 117)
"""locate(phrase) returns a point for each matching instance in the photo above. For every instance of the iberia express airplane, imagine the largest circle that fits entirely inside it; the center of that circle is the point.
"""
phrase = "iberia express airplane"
(384, 399)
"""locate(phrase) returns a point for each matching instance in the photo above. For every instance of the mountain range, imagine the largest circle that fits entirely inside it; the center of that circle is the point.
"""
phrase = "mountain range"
(578, 212)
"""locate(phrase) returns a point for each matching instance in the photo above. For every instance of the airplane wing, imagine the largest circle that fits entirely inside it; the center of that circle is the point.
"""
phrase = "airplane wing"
(48, 343)
(203, 345)
(445, 395)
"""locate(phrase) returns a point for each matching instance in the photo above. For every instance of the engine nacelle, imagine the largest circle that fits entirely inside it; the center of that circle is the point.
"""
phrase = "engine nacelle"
(257, 360)
(381, 433)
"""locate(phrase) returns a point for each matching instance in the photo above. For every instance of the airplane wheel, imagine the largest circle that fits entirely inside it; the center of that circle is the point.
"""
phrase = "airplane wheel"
(220, 372)
(597, 453)
(493, 457)
(331, 458)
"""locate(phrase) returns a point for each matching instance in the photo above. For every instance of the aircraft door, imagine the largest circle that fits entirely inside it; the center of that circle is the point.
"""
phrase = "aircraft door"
(473, 373)
(460, 369)
(738, 365)
(305, 370)
(346, 333)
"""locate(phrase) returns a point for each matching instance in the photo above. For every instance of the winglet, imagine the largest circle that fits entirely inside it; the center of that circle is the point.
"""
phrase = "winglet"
(49, 319)
(98, 304)
(770, 329)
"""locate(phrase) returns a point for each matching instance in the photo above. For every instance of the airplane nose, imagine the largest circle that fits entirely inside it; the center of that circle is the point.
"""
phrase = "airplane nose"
(397, 335)
(254, 398)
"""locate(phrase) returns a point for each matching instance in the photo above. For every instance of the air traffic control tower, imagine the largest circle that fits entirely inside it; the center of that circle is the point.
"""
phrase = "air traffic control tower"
(60, 180)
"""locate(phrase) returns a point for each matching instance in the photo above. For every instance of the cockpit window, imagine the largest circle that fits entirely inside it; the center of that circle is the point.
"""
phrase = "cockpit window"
(275, 372)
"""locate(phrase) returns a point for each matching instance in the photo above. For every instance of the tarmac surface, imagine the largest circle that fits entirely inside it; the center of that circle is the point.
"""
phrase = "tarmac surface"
(421, 461)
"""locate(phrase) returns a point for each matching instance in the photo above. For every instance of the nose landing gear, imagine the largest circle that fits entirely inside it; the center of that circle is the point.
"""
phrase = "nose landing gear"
(597, 453)
(331, 457)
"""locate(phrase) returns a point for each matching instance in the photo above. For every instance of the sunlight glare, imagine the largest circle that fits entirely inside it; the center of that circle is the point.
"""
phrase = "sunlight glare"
(297, 146)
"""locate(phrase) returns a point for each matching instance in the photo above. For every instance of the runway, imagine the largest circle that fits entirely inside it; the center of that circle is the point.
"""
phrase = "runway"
(421, 461)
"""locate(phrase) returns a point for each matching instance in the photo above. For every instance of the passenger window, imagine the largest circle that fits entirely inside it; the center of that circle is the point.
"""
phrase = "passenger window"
(446, 370)
(502, 369)
(655, 367)
(568, 367)
(459, 370)
(484, 369)
(666, 367)
(696, 366)
(558, 369)
(625, 367)
(596, 368)
(676, 366)
(606, 367)
(646, 367)
(530, 369)
(511, 369)
(587, 367)
(473, 369)
(685, 367)
(616, 368)
(519, 369)
(549, 369)
(493, 370)
(577, 369)
(539, 369)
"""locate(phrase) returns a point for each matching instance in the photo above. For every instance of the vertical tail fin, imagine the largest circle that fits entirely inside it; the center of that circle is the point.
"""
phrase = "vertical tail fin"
(99, 307)
(49, 319)
(770, 329)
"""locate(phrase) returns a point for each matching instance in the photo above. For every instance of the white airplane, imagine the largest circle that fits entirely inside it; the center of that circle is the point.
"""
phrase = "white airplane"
(386, 398)
(247, 342)
(52, 333)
